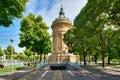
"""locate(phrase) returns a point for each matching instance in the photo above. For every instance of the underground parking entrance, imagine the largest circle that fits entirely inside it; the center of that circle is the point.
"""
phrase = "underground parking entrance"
(58, 66)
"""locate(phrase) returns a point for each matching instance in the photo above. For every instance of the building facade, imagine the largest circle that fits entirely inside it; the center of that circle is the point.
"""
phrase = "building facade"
(59, 27)
(60, 50)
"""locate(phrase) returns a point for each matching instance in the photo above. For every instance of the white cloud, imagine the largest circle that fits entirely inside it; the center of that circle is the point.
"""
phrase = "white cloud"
(71, 9)
(30, 6)
(40, 7)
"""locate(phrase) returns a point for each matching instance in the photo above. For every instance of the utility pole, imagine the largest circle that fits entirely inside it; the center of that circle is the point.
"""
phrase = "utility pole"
(11, 40)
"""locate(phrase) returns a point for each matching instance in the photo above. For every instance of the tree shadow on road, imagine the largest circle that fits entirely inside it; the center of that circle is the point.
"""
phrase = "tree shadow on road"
(100, 73)
(15, 75)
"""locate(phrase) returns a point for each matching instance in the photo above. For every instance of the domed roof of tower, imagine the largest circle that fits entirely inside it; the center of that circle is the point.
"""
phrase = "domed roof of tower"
(61, 15)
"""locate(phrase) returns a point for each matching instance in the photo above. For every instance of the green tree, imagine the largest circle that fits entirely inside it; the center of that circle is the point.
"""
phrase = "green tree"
(78, 42)
(34, 34)
(10, 10)
(69, 39)
(116, 43)
(93, 20)
(21, 56)
(47, 47)
(1, 52)
(8, 51)
(28, 52)
(44, 46)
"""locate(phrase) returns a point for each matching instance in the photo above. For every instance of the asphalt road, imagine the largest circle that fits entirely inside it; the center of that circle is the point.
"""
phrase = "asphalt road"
(86, 73)
(59, 75)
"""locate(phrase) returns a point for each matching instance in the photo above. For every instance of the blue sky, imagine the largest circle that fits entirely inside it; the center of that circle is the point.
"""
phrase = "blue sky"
(48, 9)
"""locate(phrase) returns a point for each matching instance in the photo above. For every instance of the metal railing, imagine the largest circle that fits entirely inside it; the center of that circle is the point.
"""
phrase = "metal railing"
(40, 65)
(75, 65)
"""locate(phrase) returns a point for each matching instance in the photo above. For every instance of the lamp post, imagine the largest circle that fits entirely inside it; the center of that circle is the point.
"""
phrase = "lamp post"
(11, 40)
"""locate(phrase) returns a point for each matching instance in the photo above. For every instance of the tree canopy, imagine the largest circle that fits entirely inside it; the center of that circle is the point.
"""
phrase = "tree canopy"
(1, 52)
(10, 10)
(34, 34)
(98, 23)
(8, 51)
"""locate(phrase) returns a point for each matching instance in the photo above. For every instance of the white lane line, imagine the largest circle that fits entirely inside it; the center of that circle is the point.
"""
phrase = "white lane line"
(71, 73)
(44, 73)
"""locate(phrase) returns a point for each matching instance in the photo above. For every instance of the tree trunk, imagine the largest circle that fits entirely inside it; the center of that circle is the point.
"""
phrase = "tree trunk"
(44, 57)
(103, 59)
(95, 56)
(89, 58)
(34, 55)
(102, 45)
(84, 55)
(40, 57)
(109, 58)
(80, 58)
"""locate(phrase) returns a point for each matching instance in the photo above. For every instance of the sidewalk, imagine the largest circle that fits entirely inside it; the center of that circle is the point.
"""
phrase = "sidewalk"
(15, 75)
(114, 70)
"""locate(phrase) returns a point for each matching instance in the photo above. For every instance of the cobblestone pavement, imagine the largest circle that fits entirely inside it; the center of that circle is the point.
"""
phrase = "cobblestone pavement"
(85, 73)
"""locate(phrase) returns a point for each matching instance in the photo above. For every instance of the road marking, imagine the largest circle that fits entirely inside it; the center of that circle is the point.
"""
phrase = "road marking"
(61, 77)
(71, 73)
(44, 73)
(55, 75)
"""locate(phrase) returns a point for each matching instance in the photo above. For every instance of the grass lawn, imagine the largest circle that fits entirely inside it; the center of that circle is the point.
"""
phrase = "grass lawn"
(107, 65)
(112, 64)
(8, 69)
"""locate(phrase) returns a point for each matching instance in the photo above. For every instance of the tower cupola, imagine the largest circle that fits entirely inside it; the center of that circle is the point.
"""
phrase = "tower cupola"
(61, 13)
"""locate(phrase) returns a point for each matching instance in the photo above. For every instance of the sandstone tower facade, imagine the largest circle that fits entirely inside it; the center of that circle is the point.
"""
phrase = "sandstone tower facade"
(60, 50)
(59, 27)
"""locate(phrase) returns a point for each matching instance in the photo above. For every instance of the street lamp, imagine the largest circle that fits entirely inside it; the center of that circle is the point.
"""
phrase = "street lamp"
(11, 40)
